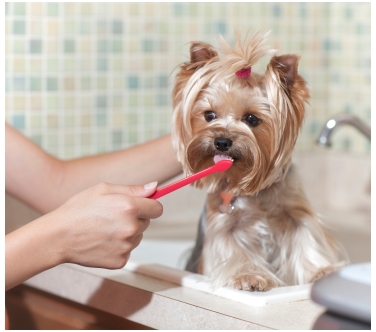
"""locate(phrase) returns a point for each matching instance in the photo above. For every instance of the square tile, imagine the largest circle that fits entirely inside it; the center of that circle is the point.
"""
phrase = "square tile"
(69, 27)
(85, 102)
(101, 83)
(52, 8)
(52, 83)
(68, 120)
(86, 65)
(85, 46)
(18, 83)
(101, 119)
(86, 8)
(117, 64)
(35, 103)
(19, 27)
(70, 9)
(101, 27)
(69, 139)
(69, 64)
(69, 46)
(35, 28)
(52, 120)
(117, 27)
(53, 46)
(35, 65)
(36, 8)
(85, 83)
(18, 65)
(133, 100)
(117, 83)
(35, 84)
(69, 102)
(52, 27)
(102, 46)
(52, 65)
(53, 102)
(133, 82)
(117, 46)
(35, 121)
(19, 102)
(102, 64)
(35, 46)
(18, 121)
(19, 46)
(19, 8)
(85, 120)
(85, 27)
(86, 138)
(69, 83)
(101, 102)
(52, 139)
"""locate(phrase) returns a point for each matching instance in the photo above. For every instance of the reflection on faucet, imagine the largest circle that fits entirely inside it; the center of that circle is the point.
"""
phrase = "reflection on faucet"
(338, 120)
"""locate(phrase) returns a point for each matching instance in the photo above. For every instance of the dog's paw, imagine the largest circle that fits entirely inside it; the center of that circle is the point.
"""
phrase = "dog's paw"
(323, 272)
(249, 282)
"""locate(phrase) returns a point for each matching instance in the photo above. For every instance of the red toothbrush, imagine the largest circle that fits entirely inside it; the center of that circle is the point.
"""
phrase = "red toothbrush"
(222, 163)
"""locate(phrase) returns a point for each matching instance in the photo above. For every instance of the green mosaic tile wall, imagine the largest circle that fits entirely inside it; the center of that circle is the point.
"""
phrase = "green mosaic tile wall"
(84, 78)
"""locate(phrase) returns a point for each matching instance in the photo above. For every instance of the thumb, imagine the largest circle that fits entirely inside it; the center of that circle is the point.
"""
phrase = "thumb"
(142, 191)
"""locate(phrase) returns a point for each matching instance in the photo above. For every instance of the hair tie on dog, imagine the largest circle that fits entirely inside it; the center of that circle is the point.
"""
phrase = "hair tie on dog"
(244, 72)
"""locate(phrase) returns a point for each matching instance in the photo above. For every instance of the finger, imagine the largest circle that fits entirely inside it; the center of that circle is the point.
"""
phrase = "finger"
(138, 207)
(149, 208)
(132, 190)
(137, 241)
(146, 208)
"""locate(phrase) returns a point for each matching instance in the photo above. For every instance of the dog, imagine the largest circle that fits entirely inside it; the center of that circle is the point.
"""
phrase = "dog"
(258, 230)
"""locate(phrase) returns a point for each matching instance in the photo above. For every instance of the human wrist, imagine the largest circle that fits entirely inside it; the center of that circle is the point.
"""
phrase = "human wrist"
(53, 238)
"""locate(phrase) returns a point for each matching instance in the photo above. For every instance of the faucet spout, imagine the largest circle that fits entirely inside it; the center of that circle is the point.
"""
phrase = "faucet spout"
(339, 120)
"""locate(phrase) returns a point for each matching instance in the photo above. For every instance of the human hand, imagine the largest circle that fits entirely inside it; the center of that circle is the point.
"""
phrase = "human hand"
(101, 225)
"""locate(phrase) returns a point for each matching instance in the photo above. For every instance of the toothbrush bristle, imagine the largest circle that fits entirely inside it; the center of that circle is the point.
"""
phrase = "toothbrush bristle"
(220, 157)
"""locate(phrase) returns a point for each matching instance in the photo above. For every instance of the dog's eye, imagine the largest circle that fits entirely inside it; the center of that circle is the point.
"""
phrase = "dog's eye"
(251, 120)
(209, 116)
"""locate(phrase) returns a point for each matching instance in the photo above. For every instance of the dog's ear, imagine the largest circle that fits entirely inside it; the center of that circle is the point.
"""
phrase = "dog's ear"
(201, 53)
(287, 68)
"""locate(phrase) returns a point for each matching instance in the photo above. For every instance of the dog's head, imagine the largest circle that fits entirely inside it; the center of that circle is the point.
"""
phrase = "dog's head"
(222, 107)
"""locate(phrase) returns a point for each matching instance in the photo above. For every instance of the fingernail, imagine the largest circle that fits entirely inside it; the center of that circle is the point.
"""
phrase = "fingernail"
(150, 185)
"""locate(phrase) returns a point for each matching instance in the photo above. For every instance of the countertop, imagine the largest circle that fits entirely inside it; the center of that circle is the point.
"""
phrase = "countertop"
(162, 305)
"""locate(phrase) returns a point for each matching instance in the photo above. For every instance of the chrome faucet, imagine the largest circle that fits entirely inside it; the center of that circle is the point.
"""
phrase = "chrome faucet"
(338, 120)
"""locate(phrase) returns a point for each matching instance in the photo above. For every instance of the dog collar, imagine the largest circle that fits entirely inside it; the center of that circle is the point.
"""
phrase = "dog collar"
(227, 202)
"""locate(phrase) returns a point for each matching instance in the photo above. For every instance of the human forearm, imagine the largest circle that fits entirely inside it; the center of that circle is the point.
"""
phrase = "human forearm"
(151, 161)
(44, 182)
(30, 250)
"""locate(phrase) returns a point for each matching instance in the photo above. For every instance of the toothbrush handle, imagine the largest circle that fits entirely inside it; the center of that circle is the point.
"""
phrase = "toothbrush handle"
(181, 183)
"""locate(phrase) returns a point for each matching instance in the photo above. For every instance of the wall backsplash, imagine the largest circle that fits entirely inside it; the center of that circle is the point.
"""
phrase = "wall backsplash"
(83, 78)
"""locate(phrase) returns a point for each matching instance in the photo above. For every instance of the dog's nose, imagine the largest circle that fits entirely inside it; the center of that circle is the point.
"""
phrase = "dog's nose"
(222, 144)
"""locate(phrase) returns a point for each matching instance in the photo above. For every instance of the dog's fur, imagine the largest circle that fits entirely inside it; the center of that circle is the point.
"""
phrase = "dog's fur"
(273, 237)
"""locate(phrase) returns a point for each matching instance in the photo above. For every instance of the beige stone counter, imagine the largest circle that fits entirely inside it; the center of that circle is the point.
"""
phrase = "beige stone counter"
(162, 305)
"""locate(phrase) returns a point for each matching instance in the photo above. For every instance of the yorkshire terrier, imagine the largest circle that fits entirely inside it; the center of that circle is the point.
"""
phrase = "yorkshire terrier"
(258, 230)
